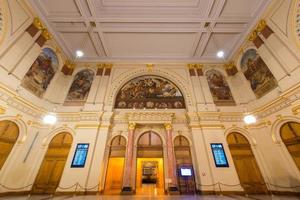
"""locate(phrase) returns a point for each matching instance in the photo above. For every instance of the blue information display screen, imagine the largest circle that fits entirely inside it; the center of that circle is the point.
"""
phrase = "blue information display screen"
(219, 155)
(80, 155)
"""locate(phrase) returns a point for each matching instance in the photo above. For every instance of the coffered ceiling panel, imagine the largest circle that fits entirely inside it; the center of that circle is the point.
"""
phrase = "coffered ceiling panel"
(150, 30)
(150, 44)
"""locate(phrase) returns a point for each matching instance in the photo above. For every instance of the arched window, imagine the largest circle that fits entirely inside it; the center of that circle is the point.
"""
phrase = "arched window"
(115, 167)
(9, 133)
(245, 164)
(53, 165)
(149, 92)
(219, 88)
(40, 74)
(257, 73)
(290, 135)
(80, 88)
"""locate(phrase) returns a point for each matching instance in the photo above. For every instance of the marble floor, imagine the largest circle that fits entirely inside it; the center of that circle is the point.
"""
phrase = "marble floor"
(165, 197)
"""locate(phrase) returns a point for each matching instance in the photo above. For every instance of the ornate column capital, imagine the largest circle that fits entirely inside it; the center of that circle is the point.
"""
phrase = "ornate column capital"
(168, 126)
(131, 126)
(38, 24)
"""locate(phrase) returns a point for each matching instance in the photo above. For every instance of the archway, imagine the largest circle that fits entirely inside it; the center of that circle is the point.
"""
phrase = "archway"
(245, 163)
(52, 167)
(185, 171)
(150, 172)
(290, 135)
(115, 167)
(9, 133)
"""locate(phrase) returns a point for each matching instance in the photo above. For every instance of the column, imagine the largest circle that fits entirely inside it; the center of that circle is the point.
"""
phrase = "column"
(127, 180)
(171, 161)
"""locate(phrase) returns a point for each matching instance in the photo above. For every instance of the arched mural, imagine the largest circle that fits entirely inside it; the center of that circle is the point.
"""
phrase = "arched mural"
(150, 92)
(40, 74)
(257, 73)
(219, 88)
(80, 88)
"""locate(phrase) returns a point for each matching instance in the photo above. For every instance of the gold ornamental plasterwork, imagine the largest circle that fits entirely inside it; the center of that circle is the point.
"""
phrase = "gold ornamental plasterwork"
(2, 110)
(259, 125)
(208, 126)
(150, 117)
(131, 126)
(259, 27)
(296, 110)
(168, 126)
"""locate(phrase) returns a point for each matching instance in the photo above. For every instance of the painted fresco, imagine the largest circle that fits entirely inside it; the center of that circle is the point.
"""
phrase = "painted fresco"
(257, 73)
(151, 92)
(79, 90)
(40, 74)
(219, 88)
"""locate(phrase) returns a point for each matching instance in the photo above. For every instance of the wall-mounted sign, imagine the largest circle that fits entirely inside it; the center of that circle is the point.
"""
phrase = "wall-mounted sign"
(80, 155)
(219, 155)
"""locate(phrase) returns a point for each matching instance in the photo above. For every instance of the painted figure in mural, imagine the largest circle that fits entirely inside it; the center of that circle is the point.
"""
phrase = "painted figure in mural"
(41, 72)
(219, 88)
(80, 87)
(257, 73)
(149, 92)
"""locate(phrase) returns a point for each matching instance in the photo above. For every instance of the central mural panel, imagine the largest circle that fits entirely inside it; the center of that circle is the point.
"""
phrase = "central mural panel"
(150, 92)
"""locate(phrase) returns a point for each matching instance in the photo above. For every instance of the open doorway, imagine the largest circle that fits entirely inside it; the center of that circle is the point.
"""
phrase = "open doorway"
(150, 168)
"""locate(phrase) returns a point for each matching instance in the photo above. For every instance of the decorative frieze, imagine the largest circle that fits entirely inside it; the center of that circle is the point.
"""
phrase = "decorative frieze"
(150, 117)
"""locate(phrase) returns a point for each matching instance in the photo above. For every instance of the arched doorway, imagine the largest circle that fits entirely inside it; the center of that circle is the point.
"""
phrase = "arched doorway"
(150, 172)
(115, 167)
(245, 163)
(290, 135)
(9, 133)
(185, 171)
(52, 167)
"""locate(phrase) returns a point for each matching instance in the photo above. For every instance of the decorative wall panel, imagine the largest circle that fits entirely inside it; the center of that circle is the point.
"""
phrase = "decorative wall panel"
(150, 92)
(40, 74)
(257, 73)
(219, 88)
(80, 88)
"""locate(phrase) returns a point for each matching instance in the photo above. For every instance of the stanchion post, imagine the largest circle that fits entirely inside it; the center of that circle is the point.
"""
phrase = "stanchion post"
(220, 188)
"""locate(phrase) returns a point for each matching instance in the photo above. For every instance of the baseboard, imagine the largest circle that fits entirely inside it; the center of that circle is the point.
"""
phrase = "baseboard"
(23, 193)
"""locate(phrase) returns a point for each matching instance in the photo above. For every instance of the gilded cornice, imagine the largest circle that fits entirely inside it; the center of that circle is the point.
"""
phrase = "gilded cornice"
(259, 27)
(87, 126)
(209, 126)
(259, 125)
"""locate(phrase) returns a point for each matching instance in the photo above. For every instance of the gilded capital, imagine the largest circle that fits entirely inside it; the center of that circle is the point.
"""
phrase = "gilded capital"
(198, 66)
(2, 110)
(253, 36)
(131, 126)
(261, 25)
(46, 34)
(191, 66)
(150, 67)
(38, 24)
(70, 64)
(168, 126)
(229, 65)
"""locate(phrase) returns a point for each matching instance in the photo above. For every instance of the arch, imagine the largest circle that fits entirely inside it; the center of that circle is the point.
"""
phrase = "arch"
(173, 77)
(183, 158)
(80, 88)
(149, 92)
(115, 166)
(245, 163)
(219, 88)
(149, 163)
(52, 167)
(53, 133)
(9, 133)
(290, 135)
(276, 125)
(242, 131)
(258, 74)
(41, 72)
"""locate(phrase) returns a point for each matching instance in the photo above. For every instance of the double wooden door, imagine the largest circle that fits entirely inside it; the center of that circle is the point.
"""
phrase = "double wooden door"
(52, 167)
(246, 166)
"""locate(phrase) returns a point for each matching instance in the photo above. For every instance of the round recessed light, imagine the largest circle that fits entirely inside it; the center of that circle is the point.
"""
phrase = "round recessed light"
(220, 54)
(79, 53)
(250, 119)
(50, 119)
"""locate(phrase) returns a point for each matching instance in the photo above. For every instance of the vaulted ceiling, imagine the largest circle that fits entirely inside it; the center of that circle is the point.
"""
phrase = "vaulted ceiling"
(150, 30)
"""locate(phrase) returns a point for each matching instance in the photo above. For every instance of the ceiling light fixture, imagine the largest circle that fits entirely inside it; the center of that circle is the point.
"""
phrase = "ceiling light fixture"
(50, 119)
(249, 119)
(79, 53)
(220, 54)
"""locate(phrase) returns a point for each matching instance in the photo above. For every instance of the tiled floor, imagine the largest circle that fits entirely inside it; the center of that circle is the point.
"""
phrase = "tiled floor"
(141, 197)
